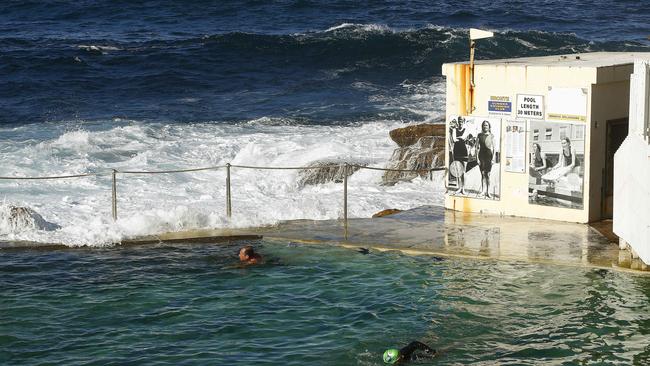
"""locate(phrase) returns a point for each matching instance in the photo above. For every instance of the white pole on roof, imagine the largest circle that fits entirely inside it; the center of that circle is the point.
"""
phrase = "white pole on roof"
(474, 34)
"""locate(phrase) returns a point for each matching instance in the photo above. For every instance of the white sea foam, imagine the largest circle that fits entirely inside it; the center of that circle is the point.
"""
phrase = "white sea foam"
(361, 27)
(270, 121)
(341, 26)
(525, 43)
(155, 203)
(425, 99)
(97, 48)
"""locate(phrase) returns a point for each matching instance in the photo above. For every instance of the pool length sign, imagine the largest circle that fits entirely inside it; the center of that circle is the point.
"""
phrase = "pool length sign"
(530, 106)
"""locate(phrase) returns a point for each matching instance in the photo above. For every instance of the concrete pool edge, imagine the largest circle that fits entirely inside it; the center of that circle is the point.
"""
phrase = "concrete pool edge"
(415, 251)
(433, 230)
(425, 230)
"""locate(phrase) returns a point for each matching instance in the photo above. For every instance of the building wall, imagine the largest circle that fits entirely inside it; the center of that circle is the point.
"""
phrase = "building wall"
(610, 101)
(632, 169)
(510, 80)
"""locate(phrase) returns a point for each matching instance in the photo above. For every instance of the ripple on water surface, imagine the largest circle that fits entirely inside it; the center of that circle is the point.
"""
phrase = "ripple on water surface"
(310, 305)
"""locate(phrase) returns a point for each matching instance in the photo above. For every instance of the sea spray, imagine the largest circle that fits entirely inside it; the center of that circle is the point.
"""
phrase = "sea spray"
(155, 203)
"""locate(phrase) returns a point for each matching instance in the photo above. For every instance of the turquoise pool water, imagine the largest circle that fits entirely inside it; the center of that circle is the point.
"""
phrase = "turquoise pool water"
(310, 305)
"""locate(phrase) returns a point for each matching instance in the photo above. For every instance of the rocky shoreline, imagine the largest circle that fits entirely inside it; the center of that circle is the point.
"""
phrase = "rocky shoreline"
(419, 147)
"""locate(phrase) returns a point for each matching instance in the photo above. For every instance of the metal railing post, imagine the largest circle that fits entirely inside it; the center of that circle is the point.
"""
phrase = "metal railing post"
(228, 201)
(345, 196)
(114, 198)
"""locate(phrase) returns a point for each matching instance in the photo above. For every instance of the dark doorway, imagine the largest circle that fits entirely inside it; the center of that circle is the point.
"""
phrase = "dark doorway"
(616, 133)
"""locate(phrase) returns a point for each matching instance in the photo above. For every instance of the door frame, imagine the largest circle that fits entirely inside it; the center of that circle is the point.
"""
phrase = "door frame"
(609, 164)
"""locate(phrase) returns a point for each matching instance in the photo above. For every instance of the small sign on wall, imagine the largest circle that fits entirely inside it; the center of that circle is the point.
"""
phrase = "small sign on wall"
(499, 105)
(530, 106)
(567, 104)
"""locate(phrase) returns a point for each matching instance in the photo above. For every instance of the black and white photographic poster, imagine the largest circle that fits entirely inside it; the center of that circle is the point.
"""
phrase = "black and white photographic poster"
(556, 164)
(474, 156)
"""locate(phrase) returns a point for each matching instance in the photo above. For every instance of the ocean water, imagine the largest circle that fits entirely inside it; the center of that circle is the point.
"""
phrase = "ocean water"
(90, 86)
(310, 305)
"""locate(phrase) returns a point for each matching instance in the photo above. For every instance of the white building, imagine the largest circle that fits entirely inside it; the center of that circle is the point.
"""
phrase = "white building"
(632, 169)
(553, 126)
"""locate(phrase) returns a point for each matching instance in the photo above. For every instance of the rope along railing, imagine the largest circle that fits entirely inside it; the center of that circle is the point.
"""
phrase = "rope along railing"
(52, 177)
(228, 167)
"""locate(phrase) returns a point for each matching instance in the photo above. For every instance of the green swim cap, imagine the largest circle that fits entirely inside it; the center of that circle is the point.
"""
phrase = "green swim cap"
(391, 355)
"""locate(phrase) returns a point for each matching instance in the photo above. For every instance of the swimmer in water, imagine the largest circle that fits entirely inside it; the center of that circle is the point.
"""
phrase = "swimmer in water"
(247, 255)
(408, 353)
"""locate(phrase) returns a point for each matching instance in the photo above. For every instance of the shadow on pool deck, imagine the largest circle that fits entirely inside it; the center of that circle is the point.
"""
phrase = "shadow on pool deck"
(434, 230)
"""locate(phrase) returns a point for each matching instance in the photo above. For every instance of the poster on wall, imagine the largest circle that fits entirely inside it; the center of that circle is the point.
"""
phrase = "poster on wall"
(515, 146)
(474, 156)
(567, 104)
(556, 164)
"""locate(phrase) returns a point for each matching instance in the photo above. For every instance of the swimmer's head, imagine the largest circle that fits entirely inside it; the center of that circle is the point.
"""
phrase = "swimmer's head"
(391, 355)
(246, 253)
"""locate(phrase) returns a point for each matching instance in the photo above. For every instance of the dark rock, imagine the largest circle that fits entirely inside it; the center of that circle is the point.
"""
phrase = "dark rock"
(410, 135)
(18, 218)
(386, 212)
(427, 153)
(326, 171)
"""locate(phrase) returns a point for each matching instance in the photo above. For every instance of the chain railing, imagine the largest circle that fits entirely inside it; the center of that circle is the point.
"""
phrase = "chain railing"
(346, 169)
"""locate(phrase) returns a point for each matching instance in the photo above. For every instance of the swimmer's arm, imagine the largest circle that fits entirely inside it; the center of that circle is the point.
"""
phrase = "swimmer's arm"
(416, 346)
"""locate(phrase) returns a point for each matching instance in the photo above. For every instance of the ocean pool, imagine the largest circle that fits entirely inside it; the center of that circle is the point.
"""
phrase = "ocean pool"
(191, 304)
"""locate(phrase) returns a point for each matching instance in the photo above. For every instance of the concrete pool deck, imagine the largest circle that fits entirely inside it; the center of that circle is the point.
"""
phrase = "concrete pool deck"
(435, 231)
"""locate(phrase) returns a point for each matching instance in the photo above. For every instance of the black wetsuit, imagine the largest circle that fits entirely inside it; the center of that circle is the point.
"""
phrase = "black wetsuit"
(409, 353)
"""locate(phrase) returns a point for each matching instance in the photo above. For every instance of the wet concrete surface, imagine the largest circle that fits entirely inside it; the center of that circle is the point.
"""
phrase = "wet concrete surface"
(436, 231)
(429, 230)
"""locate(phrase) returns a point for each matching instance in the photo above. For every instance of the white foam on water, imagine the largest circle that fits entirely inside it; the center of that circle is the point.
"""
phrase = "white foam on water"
(525, 43)
(341, 26)
(361, 27)
(425, 99)
(156, 203)
(93, 47)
